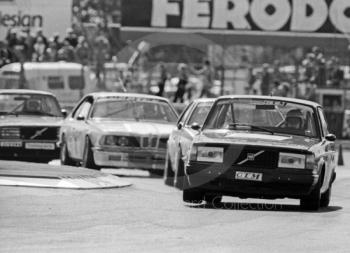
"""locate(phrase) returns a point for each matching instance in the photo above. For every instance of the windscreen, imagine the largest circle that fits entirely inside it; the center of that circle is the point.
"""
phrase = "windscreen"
(124, 109)
(265, 115)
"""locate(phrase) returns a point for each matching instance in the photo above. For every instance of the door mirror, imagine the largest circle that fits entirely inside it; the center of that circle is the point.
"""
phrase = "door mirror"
(180, 126)
(64, 113)
(331, 137)
(81, 118)
(196, 126)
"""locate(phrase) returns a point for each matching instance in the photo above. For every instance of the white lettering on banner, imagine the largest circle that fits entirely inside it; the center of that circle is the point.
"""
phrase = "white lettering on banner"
(270, 15)
(338, 17)
(301, 21)
(196, 14)
(236, 15)
(267, 15)
(161, 10)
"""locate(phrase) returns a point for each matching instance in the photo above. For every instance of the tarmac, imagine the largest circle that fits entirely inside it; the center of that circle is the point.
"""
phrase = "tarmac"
(51, 176)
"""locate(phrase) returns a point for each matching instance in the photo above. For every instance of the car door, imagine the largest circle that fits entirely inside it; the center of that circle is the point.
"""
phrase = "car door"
(76, 126)
(173, 142)
(329, 149)
(197, 116)
(82, 127)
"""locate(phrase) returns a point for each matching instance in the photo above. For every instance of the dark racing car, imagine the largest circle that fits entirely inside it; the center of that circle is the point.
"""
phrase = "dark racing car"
(262, 147)
(29, 125)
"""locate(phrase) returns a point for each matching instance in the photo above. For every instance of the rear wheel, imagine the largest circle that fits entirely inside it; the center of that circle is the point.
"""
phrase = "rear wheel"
(168, 172)
(64, 155)
(88, 157)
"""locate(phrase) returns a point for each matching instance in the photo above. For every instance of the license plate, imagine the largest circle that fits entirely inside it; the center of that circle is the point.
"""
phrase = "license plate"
(40, 146)
(10, 144)
(249, 176)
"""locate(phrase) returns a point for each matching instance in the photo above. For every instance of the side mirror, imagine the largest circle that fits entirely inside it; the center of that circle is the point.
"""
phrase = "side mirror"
(81, 118)
(64, 113)
(331, 137)
(179, 126)
(196, 126)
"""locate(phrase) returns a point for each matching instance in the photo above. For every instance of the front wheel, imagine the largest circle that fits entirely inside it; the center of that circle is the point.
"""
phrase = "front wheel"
(313, 201)
(326, 197)
(88, 157)
(192, 196)
(168, 172)
(64, 154)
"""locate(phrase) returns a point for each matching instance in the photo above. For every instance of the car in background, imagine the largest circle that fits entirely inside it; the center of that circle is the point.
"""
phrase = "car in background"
(29, 125)
(181, 138)
(121, 130)
(262, 147)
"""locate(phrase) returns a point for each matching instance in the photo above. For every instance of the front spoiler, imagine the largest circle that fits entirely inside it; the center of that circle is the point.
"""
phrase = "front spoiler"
(276, 183)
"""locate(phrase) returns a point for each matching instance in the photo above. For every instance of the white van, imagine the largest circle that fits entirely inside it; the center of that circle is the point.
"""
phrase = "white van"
(68, 81)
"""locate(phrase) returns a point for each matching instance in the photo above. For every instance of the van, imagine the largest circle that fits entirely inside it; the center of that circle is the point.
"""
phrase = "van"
(68, 81)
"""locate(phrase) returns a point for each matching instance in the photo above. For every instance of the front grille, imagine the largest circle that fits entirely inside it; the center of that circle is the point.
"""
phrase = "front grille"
(256, 157)
(10, 133)
(154, 142)
(39, 133)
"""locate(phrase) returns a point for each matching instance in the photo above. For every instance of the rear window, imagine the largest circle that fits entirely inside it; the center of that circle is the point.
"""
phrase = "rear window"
(76, 82)
(55, 82)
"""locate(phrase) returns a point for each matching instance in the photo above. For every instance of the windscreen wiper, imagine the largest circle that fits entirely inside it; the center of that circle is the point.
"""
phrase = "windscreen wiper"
(252, 127)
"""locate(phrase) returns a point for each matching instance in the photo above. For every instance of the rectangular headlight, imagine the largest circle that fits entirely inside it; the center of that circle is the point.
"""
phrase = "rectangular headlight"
(210, 154)
(293, 161)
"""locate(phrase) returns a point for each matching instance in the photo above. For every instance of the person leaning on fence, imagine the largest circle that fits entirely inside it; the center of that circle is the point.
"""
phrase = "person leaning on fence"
(181, 85)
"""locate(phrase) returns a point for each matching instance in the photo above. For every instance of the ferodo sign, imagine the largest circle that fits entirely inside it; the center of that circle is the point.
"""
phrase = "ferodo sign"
(51, 16)
(305, 16)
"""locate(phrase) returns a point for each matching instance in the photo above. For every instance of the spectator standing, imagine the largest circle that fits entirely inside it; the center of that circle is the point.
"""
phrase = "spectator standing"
(162, 79)
(207, 78)
(39, 50)
(71, 37)
(82, 51)
(66, 53)
(181, 85)
(29, 40)
(265, 80)
(6, 55)
(40, 35)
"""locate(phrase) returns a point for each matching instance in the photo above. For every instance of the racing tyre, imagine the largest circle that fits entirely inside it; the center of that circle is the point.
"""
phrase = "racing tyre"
(213, 200)
(64, 155)
(168, 172)
(192, 196)
(313, 201)
(326, 197)
(88, 157)
(179, 177)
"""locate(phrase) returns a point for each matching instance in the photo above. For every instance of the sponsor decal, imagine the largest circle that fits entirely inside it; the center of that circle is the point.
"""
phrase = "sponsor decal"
(305, 16)
(40, 146)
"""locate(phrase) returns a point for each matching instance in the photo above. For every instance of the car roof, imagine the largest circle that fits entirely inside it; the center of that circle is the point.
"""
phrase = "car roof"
(291, 100)
(131, 95)
(25, 91)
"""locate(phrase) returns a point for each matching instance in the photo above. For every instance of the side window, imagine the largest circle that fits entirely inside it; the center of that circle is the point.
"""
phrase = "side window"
(83, 109)
(199, 114)
(76, 82)
(55, 82)
(323, 122)
(185, 114)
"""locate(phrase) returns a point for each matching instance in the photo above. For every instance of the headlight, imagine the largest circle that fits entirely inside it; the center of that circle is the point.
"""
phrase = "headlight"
(293, 161)
(210, 154)
(111, 140)
(311, 162)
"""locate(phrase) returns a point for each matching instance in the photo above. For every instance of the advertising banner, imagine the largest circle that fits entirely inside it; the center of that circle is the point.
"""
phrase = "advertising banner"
(305, 19)
(49, 15)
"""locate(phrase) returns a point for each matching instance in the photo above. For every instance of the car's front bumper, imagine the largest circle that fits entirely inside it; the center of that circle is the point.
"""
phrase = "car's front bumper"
(127, 158)
(275, 183)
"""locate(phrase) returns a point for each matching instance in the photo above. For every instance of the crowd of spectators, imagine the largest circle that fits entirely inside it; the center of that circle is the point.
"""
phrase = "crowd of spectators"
(315, 71)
